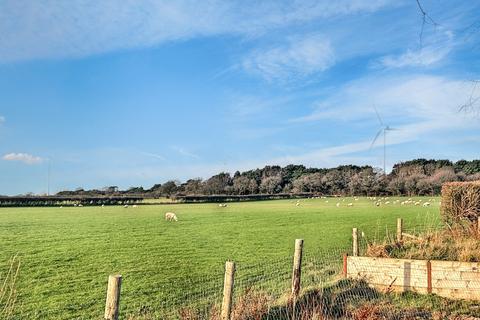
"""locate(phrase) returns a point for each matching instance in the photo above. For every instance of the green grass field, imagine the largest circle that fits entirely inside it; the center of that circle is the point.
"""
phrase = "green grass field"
(67, 253)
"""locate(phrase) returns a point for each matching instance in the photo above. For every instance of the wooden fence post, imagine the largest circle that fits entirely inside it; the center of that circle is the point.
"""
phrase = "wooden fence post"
(297, 267)
(355, 242)
(345, 265)
(228, 285)
(113, 297)
(399, 230)
(478, 225)
(429, 276)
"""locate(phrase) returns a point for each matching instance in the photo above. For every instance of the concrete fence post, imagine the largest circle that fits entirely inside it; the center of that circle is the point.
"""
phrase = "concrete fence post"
(112, 303)
(355, 242)
(228, 285)
(399, 230)
(297, 267)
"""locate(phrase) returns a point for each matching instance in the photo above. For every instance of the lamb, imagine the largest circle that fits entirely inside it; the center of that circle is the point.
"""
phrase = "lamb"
(170, 216)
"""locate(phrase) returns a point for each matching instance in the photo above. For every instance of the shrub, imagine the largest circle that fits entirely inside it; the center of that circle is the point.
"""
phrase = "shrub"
(460, 201)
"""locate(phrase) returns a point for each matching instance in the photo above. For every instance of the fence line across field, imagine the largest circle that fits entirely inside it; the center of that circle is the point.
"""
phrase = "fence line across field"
(373, 268)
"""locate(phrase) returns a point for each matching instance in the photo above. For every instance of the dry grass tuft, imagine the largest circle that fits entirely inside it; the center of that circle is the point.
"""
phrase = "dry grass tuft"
(459, 243)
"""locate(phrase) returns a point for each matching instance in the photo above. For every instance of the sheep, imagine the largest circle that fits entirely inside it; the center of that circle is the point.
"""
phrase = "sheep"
(103, 205)
(222, 205)
(326, 201)
(350, 204)
(338, 204)
(417, 203)
(297, 204)
(125, 206)
(377, 204)
(170, 216)
(80, 205)
(426, 204)
(387, 202)
(134, 206)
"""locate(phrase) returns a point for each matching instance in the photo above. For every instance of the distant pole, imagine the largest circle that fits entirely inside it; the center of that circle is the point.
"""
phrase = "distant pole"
(112, 305)
(48, 178)
(228, 290)
(384, 152)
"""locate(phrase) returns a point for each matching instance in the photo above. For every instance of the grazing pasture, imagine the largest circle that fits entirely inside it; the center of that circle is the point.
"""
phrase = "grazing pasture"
(67, 253)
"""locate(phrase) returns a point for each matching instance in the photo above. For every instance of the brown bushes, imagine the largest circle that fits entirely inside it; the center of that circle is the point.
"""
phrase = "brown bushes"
(458, 243)
(460, 201)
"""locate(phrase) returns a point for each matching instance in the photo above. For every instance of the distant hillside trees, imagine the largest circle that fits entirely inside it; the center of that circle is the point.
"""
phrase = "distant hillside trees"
(415, 177)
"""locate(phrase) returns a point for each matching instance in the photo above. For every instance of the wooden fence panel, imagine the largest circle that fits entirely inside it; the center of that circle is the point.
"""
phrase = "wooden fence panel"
(460, 280)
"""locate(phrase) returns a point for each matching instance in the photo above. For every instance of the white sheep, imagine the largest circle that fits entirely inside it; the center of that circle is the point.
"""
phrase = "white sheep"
(338, 204)
(170, 216)
(134, 206)
(426, 204)
(350, 204)
(125, 206)
(222, 205)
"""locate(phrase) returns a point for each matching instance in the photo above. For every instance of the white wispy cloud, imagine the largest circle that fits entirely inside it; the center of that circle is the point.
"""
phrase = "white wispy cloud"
(434, 50)
(185, 152)
(420, 106)
(298, 57)
(48, 29)
(2, 119)
(22, 157)
(154, 155)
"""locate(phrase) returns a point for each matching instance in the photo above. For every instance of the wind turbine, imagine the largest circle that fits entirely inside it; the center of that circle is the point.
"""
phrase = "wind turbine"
(383, 129)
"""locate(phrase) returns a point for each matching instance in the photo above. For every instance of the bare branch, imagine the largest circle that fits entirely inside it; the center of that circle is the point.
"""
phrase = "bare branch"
(472, 104)
(426, 19)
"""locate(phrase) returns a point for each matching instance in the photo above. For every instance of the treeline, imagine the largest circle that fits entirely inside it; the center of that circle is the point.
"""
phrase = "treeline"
(416, 177)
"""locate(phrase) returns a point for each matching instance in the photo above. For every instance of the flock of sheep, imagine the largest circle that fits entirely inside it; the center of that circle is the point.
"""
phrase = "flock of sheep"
(378, 201)
(385, 201)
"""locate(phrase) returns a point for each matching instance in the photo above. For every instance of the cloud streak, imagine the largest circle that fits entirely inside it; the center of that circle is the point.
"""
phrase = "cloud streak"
(47, 29)
(299, 57)
(22, 157)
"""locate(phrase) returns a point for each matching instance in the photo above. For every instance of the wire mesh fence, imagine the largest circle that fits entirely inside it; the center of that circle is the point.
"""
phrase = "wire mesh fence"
(262, 290)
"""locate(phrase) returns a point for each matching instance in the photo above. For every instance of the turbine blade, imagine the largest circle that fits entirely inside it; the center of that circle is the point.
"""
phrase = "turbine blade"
(376, 137)
(391, 129)
(378, 116)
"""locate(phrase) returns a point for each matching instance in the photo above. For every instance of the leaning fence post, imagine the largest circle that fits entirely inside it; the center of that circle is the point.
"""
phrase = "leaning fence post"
(228, 290)
(355, 242)
(399, 230)
(297, 267)
(113, 297)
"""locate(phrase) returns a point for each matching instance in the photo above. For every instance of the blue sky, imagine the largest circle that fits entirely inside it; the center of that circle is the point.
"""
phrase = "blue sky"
(134, 93)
